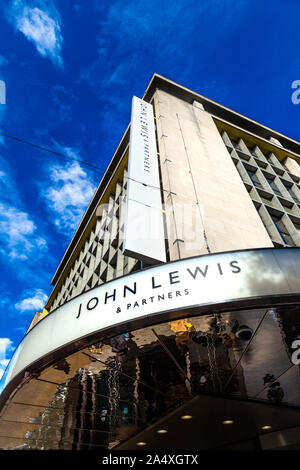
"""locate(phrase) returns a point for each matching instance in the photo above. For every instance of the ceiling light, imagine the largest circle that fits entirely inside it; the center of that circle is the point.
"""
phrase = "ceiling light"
(266, 427)
(228, 421)
(141, 443)
(186, 417)
(162, 431)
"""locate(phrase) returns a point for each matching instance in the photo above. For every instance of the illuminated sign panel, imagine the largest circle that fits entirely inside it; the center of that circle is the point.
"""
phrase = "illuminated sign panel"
(191, 283)
(143, 230)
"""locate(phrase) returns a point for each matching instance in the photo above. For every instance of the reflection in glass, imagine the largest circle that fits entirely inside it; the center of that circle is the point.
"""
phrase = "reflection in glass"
(110, 391)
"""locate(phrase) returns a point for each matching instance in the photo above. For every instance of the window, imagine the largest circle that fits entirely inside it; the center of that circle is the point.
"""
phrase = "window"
(297, 226)
(235, 144)
(283, 231)
(273, 186)
(254, 178)
(269, 157)
(292, 194)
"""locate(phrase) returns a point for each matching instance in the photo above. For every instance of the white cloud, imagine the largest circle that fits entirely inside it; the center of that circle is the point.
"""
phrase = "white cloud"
(40, 23)
(17, 233)
(4, 362)
(3, 365)
(5, 345)
(19, 236)
(35, 301)
(68, 194)
(5, 348)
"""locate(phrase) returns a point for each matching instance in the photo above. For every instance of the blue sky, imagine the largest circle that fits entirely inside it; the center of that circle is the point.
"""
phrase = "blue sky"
(71, 68)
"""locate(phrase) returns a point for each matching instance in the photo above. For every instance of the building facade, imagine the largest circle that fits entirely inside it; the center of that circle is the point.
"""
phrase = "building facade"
(213, 347)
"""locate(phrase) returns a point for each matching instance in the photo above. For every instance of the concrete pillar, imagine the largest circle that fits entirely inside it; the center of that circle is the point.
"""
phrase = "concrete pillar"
(292, 166)
(275, 141)
(211, 210)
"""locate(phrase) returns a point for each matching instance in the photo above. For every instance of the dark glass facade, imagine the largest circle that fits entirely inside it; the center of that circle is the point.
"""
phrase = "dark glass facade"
(114, 391)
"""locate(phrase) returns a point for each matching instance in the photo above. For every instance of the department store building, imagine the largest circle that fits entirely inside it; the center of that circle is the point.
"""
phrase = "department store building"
(174, 319)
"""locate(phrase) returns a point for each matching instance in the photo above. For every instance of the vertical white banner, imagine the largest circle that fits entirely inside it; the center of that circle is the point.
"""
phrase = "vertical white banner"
(144, 237)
